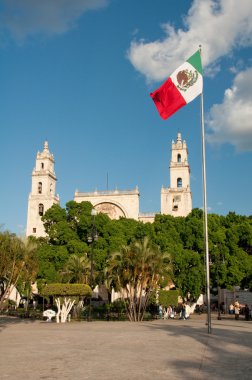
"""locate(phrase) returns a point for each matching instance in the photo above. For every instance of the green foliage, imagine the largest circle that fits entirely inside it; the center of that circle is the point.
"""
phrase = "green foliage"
(188, 274)
(76, 247)
(68, 290)
(68, 230)
(192, 234)
(52, 260)
(166, 234)
(18, 263)
(168, 297)
(137, 270)
(230, 245)
(120, 232)
(77, 269)
(53, 216)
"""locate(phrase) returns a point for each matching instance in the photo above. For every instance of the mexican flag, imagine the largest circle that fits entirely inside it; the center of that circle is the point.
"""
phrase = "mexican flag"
(184, 85)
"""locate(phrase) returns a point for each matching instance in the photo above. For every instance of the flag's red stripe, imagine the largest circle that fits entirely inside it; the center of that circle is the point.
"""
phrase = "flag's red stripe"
(167, 99)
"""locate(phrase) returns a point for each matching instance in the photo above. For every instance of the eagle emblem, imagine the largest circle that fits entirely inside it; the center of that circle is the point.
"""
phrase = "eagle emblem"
(186, 78)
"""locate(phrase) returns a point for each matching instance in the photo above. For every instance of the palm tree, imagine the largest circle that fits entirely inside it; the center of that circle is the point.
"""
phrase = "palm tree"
(18, 262)
(136, 271)
(77, 269)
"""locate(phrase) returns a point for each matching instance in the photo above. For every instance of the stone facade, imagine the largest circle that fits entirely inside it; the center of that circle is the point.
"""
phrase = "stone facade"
(175, 200)
(115, 203)
(42, 195)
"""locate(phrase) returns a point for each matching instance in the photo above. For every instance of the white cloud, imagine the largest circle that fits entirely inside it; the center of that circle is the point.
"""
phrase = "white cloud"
(218, 25)
(231, 121)
(24, 18)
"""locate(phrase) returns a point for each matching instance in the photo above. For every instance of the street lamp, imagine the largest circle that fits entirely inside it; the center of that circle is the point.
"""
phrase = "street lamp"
(91, 240)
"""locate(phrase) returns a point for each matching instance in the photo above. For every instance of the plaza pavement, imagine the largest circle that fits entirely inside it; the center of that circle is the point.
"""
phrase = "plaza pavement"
(160, 349)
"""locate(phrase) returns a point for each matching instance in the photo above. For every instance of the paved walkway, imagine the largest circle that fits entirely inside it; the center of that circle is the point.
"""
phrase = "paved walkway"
(159, 350)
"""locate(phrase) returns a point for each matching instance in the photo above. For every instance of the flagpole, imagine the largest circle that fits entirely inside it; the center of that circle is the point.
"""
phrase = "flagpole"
(164, 99)
(205, 216)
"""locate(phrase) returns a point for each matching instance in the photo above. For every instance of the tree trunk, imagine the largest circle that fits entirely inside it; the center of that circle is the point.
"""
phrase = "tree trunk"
(63, 310)
(66, 308)
(57, 300)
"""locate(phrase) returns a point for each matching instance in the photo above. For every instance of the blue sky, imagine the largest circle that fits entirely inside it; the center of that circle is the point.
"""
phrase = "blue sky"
(79, 72)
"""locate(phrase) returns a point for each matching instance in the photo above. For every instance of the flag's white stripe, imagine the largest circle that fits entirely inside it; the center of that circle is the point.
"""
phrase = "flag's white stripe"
(191, 92)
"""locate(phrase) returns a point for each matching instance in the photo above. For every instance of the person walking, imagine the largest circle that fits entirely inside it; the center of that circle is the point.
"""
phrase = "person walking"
(160, 311)
(231, 309)
(237, 310)
(246, 312)
(183, 311)
(170, 312)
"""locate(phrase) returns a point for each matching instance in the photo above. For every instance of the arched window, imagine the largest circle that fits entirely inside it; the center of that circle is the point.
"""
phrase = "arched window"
(179, 157)
(42, 165)
(41, 209)
(40, 187)
(179, 182)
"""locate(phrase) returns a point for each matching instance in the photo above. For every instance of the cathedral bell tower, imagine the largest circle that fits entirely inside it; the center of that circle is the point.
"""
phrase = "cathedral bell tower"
(177, 199)
(42, 195)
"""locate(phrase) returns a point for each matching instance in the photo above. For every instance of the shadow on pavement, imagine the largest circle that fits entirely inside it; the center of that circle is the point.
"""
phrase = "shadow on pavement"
(6, 321)
(226, 353)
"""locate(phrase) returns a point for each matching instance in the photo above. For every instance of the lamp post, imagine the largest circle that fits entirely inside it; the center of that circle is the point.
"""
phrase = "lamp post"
(91, 240)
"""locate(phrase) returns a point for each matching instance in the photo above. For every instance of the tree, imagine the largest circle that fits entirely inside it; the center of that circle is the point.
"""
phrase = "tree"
(182, 237)
(77, 269)
(168, 297)
(18, 262)
(136, 271)
(167, 236)
(192, 234)
(188, 274)
(51, 259)
(66, 295)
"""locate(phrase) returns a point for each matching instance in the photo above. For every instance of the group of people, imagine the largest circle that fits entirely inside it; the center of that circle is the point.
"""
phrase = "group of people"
(167, 312)
(236, 309)
(183, 311)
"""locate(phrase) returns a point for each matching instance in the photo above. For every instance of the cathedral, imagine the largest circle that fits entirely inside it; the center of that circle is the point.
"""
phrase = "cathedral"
(176, 200)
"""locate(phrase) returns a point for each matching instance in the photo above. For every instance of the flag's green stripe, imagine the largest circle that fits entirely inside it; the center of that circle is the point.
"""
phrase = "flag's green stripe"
(195, 61)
